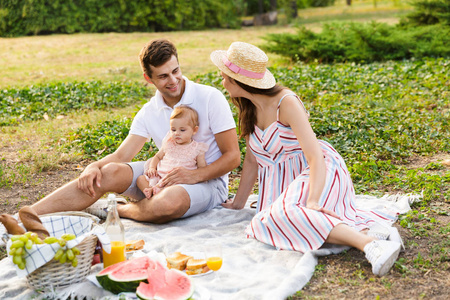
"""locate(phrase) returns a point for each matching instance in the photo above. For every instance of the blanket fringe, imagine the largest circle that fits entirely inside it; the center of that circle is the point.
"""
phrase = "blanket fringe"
(53, 294)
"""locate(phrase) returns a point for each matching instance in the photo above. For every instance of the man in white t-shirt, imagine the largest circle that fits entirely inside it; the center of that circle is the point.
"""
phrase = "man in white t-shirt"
(186, 192)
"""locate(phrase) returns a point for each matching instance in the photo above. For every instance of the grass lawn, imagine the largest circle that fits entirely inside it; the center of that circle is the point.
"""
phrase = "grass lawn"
(113, 56)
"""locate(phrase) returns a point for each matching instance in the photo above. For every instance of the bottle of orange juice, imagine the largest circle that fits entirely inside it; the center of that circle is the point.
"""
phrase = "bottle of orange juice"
(114, 229)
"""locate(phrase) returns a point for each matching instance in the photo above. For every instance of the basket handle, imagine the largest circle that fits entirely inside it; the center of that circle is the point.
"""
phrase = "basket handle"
(76, 214)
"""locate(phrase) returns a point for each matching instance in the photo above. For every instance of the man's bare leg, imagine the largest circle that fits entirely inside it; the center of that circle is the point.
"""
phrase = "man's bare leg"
(116, 177)
(170, 204)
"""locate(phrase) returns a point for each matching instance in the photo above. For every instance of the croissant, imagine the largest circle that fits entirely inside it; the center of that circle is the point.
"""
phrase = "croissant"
(11, 224)
(31, 222)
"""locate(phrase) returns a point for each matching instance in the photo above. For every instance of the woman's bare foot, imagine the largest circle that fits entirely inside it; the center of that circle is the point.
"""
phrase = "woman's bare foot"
(148, 192)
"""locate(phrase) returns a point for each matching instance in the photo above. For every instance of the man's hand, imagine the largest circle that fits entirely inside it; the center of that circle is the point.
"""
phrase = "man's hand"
(88, 177)
(179, 175)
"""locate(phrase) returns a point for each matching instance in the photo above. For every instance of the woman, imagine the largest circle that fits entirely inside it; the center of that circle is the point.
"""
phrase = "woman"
(306, 195)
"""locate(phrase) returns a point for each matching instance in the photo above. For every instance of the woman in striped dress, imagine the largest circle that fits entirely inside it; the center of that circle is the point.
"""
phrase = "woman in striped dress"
(306, 195)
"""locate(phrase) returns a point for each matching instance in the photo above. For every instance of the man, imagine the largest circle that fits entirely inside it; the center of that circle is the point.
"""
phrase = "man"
(186, 192)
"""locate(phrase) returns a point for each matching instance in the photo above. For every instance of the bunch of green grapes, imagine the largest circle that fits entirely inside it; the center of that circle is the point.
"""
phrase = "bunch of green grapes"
(28, 239)
(64, 254)
(19, 244)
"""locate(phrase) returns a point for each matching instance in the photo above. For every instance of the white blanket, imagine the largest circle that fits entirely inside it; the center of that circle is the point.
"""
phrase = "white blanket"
(251, 270)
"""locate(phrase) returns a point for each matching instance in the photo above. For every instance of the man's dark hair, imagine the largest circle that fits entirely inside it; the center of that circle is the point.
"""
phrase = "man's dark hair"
(156, 53)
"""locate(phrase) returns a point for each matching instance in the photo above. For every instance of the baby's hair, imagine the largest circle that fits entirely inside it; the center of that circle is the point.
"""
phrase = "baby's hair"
(183, 110)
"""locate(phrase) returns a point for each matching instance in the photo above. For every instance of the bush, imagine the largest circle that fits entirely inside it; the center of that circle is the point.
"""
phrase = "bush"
(428, 12)
(31, 17)
(361, 42)
(251, 7)
(320, 3)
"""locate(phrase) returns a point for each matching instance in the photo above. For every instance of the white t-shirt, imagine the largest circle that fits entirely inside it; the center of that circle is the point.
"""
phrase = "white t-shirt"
(214, 113)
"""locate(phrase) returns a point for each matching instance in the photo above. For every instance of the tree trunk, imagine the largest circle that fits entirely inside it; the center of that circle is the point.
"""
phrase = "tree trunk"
(273, 5)
(260, 7)
(349, 2)
(295, 8)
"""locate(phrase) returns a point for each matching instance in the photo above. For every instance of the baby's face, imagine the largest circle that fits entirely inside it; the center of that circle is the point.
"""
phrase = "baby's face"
(181, 130)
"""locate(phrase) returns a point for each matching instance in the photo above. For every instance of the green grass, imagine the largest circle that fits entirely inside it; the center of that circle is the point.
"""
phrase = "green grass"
(51, 100)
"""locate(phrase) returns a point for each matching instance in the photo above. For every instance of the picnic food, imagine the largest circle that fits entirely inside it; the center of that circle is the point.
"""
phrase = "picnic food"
(177, 260)
(134, 245)
(18, 246)
(165, 284)
(21, 243)
(125, 276)
(31, 222)
(196, 266)
(11, 224)
(64, 254)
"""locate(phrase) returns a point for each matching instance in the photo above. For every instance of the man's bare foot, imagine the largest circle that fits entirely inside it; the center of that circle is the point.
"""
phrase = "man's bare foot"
(148, 192)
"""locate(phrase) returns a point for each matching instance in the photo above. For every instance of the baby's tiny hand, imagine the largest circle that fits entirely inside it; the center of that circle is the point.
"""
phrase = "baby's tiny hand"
(151, 172)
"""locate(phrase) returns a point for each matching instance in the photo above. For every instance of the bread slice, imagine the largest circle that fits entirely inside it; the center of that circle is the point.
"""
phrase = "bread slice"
(196, 266)
(177, 260)
(134, 245)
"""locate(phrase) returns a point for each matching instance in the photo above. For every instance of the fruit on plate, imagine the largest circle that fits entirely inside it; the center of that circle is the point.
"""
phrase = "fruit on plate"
(126, 275)
(165, 284)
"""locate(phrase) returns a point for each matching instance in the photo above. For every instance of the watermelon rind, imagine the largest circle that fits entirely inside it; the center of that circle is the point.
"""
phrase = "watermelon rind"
(115, 285)
(102, 276)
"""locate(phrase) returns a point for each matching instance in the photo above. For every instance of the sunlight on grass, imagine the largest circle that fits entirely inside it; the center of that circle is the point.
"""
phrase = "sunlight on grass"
(81, 57)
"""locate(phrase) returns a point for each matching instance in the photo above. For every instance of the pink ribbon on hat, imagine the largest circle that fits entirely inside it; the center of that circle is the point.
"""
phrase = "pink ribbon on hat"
(241, 71)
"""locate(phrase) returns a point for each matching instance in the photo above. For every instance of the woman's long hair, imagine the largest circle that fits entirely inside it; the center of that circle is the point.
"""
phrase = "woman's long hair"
(247, 110)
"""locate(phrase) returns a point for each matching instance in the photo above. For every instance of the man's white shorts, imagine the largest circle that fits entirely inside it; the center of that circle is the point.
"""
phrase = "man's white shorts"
(204, 196)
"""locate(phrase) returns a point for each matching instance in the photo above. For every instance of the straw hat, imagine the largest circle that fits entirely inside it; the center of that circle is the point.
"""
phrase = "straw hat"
(245, 63)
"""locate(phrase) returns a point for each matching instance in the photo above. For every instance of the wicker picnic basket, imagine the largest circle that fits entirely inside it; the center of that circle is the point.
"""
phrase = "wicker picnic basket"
(54, 274)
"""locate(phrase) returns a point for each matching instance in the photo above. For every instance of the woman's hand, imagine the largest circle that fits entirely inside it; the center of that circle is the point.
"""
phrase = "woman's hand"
(231, 204)
(317, 207)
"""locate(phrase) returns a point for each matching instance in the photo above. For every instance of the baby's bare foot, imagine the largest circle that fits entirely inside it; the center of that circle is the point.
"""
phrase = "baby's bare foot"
(148, 192)
(156, 190)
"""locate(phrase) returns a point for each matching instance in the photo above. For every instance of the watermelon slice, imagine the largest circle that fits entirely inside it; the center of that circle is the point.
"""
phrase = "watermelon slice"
(165, 284)
(125, 276)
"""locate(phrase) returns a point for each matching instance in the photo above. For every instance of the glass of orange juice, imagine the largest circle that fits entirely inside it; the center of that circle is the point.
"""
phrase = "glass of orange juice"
(214, 258)
(117, 254)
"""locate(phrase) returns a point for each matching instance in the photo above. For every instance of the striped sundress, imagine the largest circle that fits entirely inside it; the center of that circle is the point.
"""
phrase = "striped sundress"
(282, 219)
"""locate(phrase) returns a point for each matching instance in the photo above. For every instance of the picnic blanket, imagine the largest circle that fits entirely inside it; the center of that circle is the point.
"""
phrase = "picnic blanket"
(251, 270)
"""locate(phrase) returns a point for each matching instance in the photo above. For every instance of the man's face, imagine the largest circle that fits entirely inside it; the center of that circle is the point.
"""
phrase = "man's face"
(168, 79)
